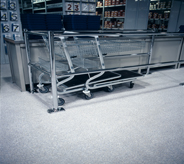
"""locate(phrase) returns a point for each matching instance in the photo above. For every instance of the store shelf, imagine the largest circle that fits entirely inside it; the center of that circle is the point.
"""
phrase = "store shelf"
(113, 28)
(88, 2)
(159, 19)
(56, 12)
(160, 9)
(36, 9)
(40, 1)
(28, 8)
(83, 11)
(99, 7)
(115, 6)
(114, 17)
(56, 5)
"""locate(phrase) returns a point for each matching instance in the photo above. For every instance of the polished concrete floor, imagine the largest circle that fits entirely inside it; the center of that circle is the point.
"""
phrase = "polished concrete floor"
(143, 125)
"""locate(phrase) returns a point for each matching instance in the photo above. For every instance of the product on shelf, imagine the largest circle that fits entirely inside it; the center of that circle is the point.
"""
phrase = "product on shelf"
(113, 2)
(162, 5)
(155, 15)
(149, 26)
(150, 15)
(166, 15)
(109, 3)
(117, 2)
(119, 13)
(162, 26)
(99, 4)
(168, 5)
(160, 16)
(114, 24)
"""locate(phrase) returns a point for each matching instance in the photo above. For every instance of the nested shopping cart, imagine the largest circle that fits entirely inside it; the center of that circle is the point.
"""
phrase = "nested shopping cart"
(77, 64)
(81, 55)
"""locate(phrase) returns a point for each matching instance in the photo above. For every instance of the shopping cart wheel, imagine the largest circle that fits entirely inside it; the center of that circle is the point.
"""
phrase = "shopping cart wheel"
(60, 101)
(55, 110)
(131, 84)
(88, 97)
(110, 89)
(44, 89)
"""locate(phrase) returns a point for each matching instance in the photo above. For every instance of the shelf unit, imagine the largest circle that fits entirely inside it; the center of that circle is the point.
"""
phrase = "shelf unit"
(112, 14)
(64, 7)
(159, 13)
(41, 6)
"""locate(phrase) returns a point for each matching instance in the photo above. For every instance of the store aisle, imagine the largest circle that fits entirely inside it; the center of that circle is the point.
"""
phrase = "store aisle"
(128, 126)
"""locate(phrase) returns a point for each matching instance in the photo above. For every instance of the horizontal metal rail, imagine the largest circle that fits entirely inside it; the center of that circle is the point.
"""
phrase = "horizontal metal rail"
(104, 33)
(119, 68)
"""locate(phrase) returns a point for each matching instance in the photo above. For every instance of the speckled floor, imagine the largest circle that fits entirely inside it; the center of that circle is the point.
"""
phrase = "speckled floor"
(143, 125)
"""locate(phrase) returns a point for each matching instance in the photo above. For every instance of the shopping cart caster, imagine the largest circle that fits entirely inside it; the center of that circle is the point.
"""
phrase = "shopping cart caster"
(55, 110)
(87, 94)
(109, 89)
(131, 84)
(61, 101)
(87, 97)
(44, 89)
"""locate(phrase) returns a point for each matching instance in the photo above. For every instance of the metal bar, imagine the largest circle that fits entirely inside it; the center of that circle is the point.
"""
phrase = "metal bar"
(40, 33)
(112, 83)
(126, 55)
(99, 52)
(53, 69)
(103, 11)
(180, 51)
(120, 68)
(67, 54)
(104, 33)
(150, 53)
(28, 61)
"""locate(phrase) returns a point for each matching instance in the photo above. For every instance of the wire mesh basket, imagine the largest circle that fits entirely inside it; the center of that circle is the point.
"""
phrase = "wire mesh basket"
(119, 47)
(85, 63)
(46, 65)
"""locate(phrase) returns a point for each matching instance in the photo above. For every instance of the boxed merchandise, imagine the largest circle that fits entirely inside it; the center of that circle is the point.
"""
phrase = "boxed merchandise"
(150, 15)
(168, 5)
(114, 24)
(166, 15)
(115, 13)
(162, 26)
(123, 14)
(110, 24)
(124, 1)
(160, 16)
(113, 2)
(153, 25)
(117, 2)
(112, 13)
(119, 14)
(109, 3)
(98, 4)
(119, 24)
(107, 24)
(155, 15)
